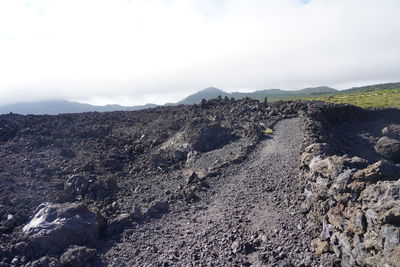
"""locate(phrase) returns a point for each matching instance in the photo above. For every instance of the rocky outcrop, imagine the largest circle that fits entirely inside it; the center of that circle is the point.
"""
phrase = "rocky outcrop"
(352, 203)
(55, 227)
(389, 148)
(77, 256)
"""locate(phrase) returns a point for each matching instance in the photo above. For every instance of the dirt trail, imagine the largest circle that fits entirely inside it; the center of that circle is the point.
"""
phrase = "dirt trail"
(246, 218)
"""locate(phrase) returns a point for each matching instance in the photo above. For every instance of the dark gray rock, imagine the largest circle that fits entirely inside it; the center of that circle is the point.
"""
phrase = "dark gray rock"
(55, 227)
(200, 136)
(156, 208)
(118, 224)
(101, 189)
(381, 170)
(136, 213)
(389, 148)
(391, 237)
(77, 256)
(392, 131)
(45, 262)
(76, 184)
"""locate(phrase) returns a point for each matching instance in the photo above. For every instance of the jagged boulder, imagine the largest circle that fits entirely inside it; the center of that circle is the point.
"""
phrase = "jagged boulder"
(392, 131)
(76, 184)
(77, 256)
(156, 208)
(381, 170)
(45, 261)
(332, 166)
(54, 227)
(389, 148)
(201, 136)
(117, 224)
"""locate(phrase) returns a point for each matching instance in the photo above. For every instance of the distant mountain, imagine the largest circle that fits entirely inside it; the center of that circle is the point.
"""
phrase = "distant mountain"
(317, 90)
(61, 106)
(368, 88)
(53, 107)
(208, 93)
(212, 92)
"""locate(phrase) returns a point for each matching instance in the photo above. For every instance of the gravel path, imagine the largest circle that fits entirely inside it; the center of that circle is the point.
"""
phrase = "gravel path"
(246, 218)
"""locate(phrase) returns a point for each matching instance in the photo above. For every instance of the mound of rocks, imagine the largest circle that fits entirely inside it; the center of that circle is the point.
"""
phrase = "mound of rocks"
(358, 210)
(55, 227)
(199, 135)
(352, 203)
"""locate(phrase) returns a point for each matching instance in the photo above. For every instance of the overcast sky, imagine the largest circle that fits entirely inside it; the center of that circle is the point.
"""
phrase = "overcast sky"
(139, 51)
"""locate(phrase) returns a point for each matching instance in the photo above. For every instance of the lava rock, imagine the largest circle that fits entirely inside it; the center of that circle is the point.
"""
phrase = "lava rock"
(77, 256)
(136, 213)
(381, 170)
(389, 148)
(156, 208)
(45, 262)
(392, 131)
(76, 184)
(201, 136)
(118, 224)
(103, 188)
(55, 227)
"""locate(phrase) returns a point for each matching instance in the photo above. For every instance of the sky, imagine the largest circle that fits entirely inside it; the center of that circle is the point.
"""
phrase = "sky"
(133, 52)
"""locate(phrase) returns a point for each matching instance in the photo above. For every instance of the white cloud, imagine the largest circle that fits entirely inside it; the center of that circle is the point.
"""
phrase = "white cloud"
(139, 51)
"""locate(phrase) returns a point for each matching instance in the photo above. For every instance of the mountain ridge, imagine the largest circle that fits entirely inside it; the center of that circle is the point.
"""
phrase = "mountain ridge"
(53, 107)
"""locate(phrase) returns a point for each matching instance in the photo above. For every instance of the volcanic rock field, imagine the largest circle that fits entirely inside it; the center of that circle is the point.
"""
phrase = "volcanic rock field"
(202, 185)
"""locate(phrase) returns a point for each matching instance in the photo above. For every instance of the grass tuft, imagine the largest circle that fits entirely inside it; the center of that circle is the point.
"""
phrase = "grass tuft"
(268, 131)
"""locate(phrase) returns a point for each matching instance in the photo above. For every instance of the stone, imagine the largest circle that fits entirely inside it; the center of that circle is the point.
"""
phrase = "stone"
(392, 131)
(77, 256)
(45, 262)
(321, 247)
(393, 259)
(361, 221)
(156, 207)
(381, 196)
(192, 177)
(101, 189)
(391, 237)
(346, 249)
(236, 246)
(118, 224)
(136, 213)
(191, 157)
(54, 227)
(199, 135)
(391, 216)
(332, 166)
(326, 232)
(179, 154)
(389, 148)
(76, 184)
(381, 170)
(357, 186)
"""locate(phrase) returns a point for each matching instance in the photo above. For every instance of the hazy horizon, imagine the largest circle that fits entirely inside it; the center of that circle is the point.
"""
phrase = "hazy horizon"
(133, 52)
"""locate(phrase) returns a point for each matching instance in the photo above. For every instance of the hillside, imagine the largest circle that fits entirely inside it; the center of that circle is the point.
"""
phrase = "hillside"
(272, 94)
(368, 88)
(54, 107)
(207, 94)
(366, 99)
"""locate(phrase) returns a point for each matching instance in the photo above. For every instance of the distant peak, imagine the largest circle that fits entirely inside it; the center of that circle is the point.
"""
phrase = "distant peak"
(211, 89)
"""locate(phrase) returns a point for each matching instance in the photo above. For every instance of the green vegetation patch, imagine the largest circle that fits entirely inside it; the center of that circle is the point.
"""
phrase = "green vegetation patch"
(268, 131)
(371, 99)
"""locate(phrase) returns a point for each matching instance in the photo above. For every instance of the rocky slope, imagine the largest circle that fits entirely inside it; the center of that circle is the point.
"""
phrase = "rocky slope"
(201, 185)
